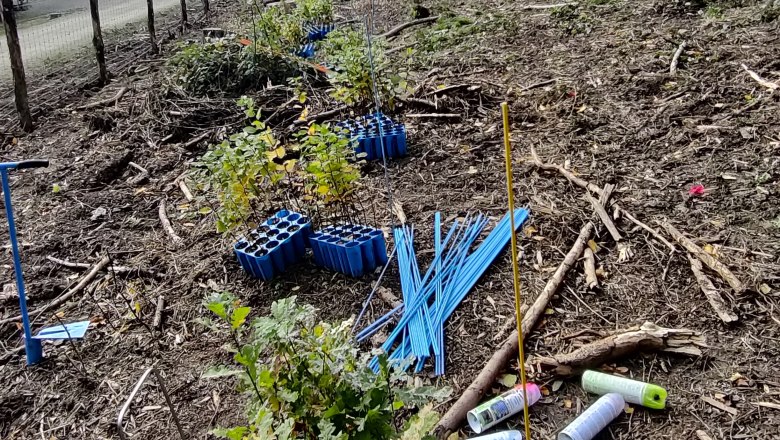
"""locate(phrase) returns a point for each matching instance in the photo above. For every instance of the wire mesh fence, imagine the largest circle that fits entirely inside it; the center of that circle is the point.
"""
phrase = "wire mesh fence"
(55, 37)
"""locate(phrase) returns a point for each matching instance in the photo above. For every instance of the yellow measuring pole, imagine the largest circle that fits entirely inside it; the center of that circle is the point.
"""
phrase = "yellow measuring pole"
(515, 267)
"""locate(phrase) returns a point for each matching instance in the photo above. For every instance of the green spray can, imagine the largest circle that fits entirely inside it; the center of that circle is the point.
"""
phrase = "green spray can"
(633, 391)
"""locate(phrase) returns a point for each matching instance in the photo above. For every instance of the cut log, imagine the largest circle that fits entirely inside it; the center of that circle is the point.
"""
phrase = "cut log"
(470, 398)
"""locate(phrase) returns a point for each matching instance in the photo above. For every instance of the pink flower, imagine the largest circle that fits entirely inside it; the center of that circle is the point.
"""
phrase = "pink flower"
(696, 191)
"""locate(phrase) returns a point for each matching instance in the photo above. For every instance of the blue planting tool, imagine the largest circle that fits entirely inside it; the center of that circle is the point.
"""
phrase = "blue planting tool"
(32, 344)
(275, 245)
(318, 31)
(429, 302)
(366, 132)
(306, 51)
(349, 249)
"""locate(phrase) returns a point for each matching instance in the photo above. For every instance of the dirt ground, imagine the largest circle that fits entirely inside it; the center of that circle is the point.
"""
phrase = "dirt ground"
(589, 87)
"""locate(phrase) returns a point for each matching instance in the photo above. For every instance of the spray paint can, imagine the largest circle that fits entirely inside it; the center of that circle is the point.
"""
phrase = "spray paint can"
(501, 407)
(594, 419)
(503, 435)
(633, 391)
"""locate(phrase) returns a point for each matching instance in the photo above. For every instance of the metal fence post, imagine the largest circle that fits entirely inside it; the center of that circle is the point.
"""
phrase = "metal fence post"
(17, 65)
(97, 41)
(184, 20)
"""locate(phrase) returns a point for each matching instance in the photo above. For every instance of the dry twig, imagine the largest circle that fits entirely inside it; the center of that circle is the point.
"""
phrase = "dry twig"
(589, 263)
(706, 258)
(768, 84)
(676, 58)
(398, 29)
(166, 224)
(709, 290)
(112, 100)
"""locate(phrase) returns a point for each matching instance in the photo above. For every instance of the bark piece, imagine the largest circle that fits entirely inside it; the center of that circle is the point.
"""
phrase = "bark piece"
(589, 262)
(648, 337)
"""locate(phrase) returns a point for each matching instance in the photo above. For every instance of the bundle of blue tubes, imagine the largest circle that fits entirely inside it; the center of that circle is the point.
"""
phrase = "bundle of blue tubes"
(429, 300)
(376, 136)
(318, 31)
(306, 51)
(350, 249)
(274, 245)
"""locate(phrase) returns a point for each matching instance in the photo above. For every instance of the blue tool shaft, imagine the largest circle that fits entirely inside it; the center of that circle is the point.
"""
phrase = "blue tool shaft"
(32, 347)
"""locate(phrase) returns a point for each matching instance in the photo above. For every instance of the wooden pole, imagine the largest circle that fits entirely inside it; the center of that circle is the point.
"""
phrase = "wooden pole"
(17, 66)
(206, 7)
(97, 41)
(150, 25)
(184, 20)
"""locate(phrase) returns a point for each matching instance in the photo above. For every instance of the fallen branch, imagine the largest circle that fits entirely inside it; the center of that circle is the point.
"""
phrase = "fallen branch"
(166, 224)
(67, 295)
(539, 84)
(449, 89)
(554, 5)
(157, 321)
(419, 101)
(185, 190)
(192, 142)
(706, 258)
(648, 337)
(320, 116)
(144, 174)
(470, 398)
(433, 115)
(584, 184)
(709, 290)
(113, 100)
(603, 215)
(676, 58)
(768, 84)
(398, 29)
(116, 269)
(589, 264)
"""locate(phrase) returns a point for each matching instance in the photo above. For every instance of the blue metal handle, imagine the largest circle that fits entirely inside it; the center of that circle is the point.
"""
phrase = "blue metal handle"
(32, 163)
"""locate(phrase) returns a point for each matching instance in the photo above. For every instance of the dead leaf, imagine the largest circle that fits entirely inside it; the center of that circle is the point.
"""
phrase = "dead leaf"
(529, 231)
(629, 410)
(764, 288)
(593, 246)
(557, 385)
(567, 403)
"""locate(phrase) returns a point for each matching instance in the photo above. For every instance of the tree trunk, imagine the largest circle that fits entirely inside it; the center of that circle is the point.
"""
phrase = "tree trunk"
(17, 66)
(206, 7)
(97, 41)
(184, 20)
(150, 25)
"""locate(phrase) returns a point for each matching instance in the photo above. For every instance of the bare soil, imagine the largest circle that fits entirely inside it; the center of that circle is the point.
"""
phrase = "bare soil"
(612, 113)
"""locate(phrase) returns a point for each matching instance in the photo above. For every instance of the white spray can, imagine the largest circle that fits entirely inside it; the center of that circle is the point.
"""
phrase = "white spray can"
(501, 407)
(503, 435)
(595, 418)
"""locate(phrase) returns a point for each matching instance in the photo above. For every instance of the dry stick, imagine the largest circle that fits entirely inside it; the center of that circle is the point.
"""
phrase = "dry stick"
(647, 337)
(192, 142)
(166, 224)
(709, 290)
(141, 177)
(584, 184)
(185, 190)
(539, 84)
(451, 421)
(398, 29)
(320, 116)
(555, 5)
(589, 264)
(706, 258)
(67, 295)
(676, 58)
(158, 312)
(768, 84)
(702, 435)
(604, 216)
(117, 269)
(434, 115)
(108, 101)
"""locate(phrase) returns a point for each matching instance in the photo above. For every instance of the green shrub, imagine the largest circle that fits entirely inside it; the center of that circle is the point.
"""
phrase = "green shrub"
(347, 50)
(306, 380)
(224, 67)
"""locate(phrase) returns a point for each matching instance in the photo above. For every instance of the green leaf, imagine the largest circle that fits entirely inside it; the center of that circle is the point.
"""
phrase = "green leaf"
(236, 433)
(239, 317)
(205, 210)
(219, 371)
(55, 188)
(508, 380)
(218, 309)
(421, 424)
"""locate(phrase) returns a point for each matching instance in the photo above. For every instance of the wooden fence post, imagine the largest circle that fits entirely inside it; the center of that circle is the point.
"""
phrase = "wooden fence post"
(150, 24)
(97, 41)
(184, 20)
(206, 7)
(17, 66)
